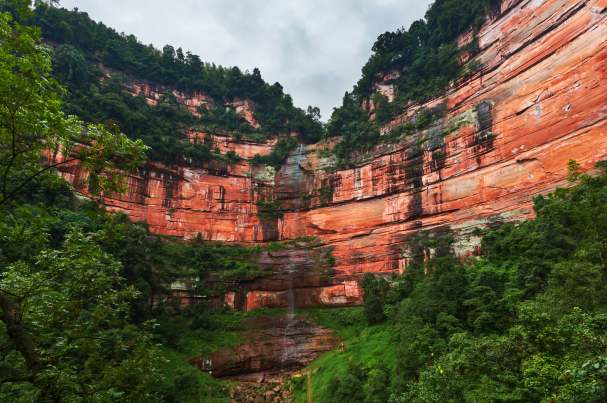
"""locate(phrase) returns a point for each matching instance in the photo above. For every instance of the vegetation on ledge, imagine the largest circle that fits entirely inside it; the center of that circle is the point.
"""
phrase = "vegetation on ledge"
(430, 61)
(85, 45)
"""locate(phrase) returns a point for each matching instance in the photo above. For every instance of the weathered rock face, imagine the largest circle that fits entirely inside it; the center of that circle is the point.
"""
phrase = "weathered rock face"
(276, 346)
(296, 277)
(505, 135)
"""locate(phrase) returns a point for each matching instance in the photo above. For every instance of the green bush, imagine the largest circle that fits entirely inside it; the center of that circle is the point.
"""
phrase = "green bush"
(374, 309)
(346, 389)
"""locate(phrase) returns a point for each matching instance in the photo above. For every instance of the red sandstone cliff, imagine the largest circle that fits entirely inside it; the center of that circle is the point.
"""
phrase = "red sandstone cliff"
(275, 346)
(540, 99)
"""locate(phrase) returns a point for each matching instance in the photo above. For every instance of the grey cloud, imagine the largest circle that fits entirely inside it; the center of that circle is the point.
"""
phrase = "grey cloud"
(314, 48)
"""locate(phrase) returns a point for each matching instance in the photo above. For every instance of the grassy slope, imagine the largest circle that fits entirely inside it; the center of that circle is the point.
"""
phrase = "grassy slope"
(193, 344)
(364, 345)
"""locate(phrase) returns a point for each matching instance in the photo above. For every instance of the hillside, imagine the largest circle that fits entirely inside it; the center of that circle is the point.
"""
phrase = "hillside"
(471, 157)
(439, 239)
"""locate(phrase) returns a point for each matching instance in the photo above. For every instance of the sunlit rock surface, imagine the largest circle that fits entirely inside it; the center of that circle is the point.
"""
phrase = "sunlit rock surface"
(504, 135)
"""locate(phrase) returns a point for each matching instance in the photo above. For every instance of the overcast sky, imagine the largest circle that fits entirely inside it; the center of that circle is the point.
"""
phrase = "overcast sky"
(314, 48)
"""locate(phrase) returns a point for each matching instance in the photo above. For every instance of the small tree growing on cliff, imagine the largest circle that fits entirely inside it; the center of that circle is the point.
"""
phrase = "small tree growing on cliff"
(375, 290)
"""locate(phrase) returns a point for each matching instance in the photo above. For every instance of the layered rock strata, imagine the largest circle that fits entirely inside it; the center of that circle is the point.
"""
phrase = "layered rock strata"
(298, 276)
(498, 138)
(276, 347)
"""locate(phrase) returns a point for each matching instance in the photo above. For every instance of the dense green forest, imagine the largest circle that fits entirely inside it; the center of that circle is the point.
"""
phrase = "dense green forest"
(76, 280)
(146, 264)
(96, 42)
(431, 62)
(427, 49)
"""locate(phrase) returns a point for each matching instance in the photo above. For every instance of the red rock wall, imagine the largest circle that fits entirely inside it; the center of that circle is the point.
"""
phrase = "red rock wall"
(298, 276)
(190, 100)
(275, 346)
(540, 99)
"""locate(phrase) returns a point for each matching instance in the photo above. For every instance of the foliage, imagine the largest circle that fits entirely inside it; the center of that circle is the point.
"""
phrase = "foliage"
(267, 210)
(435, 385)
(331, 260)
(344, 317)
(427, 48)
(358, 133)
(352, 124)
(375, 290)
(160, 126)
(185, 384)
(145, 264)
(63, 333)
(74, 310)
(430, 61)
(346, 389)
(279, 153)
(374, 309)
(324, 192)
(35, 129)
(524, 322)
(375, 285)
(83, 38)
(362, 370)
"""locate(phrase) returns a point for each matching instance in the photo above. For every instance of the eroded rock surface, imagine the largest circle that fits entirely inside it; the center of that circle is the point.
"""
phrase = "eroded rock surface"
(277, 346)
(271, 392)
(296, 277)
(504, 135)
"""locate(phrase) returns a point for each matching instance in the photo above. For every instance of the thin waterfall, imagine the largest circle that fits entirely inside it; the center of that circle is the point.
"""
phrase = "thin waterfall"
(296, 174)
(290, 316)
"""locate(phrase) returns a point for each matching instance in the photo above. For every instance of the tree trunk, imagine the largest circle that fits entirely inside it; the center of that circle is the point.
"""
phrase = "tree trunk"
(11, 316)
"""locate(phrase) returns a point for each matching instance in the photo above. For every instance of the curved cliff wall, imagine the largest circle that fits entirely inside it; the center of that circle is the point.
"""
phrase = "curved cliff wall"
(499, 138)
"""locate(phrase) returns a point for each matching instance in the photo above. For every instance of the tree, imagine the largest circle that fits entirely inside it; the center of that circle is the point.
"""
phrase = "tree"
(584, 208)
(64, 312)
(35, 129)
(375, 290)
(70, 65)
(435, 385)
(346, 389)
(314, 113)
(63, 333)
(373, 309)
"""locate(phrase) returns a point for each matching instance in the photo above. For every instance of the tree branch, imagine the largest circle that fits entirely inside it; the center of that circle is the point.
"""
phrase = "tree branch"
(15, 328)
(40, 172)
(20, 378)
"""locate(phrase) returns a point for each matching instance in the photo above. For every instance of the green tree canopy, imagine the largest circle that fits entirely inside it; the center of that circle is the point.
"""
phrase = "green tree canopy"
(35, 129)
(63, 331)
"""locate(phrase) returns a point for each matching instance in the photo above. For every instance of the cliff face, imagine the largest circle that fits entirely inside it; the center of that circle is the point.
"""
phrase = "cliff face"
(276, 346)
(500, 137)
